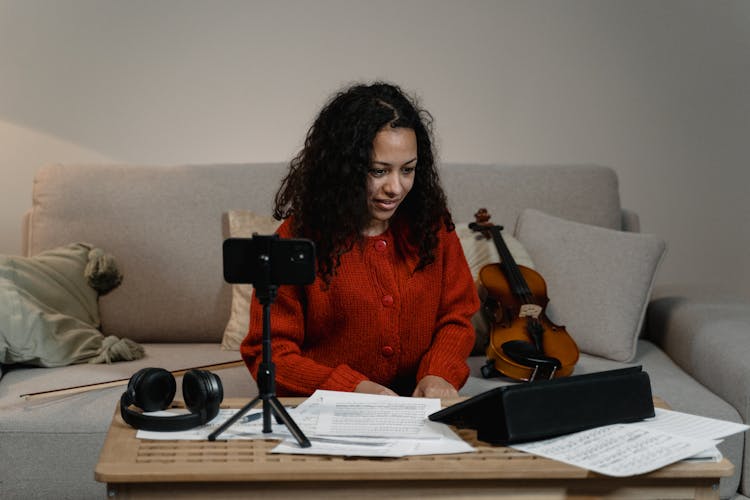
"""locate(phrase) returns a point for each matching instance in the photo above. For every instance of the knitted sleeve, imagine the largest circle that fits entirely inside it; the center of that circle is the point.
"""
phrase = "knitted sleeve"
(453, 337)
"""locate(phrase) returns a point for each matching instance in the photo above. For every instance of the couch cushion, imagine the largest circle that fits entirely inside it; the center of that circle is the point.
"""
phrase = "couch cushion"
(164, 224)
(583, 193)
(598, 280)
(66, 433)
(19, 380)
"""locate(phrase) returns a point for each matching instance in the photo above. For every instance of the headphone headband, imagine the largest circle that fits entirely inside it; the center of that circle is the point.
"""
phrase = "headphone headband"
(153, 389)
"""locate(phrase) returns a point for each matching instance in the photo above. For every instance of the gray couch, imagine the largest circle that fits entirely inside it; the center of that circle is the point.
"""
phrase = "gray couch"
(165, 226)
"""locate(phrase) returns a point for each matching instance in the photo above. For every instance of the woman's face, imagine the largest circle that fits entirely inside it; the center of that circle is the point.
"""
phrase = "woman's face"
(391, 175)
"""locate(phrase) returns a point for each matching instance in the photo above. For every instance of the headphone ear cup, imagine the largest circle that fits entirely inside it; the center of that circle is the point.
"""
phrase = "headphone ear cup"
(203, 393)
(153, 389)
(133, 383)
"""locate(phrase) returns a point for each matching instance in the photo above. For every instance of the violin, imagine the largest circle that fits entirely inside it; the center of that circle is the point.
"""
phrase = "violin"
(524, 344)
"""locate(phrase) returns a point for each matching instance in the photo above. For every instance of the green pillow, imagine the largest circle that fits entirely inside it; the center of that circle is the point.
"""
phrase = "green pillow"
(49, 309)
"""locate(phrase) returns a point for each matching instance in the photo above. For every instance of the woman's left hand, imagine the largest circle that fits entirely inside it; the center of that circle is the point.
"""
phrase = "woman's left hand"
(432, 386)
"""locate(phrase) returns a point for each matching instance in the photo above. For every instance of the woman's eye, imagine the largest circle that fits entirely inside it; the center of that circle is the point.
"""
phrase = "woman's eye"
(407, 170)
(377, 172)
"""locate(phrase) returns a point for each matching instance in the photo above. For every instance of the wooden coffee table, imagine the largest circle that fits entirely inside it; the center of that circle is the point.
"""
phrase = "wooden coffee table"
(135, 468)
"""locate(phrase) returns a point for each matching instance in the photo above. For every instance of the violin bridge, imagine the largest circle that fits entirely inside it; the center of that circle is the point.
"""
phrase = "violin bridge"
(530, 310)
(536, 372)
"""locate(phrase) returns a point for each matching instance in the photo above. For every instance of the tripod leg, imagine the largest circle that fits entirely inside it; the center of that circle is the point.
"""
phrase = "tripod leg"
(281, 414)
(233, 419)
(266, 414)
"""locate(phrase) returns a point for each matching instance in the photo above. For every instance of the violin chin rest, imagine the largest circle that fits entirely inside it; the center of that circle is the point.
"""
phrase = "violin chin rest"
(526, 354)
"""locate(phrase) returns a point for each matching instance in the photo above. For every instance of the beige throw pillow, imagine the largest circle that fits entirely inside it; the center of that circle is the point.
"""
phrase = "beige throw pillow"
(242, 224)
(598, 280)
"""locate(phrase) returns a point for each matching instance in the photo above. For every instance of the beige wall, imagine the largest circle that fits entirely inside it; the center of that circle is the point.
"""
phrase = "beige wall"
(657, 90)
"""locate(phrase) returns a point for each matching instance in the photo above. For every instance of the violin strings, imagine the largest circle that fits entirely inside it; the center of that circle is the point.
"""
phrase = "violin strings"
(521, 288)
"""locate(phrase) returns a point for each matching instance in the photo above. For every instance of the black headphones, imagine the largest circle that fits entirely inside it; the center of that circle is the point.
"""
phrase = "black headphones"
(152, 389)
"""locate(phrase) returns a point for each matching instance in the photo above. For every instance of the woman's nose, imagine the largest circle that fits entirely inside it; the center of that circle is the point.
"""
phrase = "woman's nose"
(392, 185)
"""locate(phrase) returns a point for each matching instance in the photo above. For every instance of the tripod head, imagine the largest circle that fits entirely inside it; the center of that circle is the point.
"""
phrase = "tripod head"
(268, 261)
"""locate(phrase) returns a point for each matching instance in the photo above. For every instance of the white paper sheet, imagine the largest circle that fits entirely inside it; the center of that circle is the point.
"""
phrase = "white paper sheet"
(636, 448)
(350, 424)
(376, 447)
(363, 427)
(694, 426)
(617, 450)
(354, 414)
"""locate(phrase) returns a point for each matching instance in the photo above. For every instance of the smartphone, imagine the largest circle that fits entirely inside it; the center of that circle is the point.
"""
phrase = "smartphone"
(287, 261)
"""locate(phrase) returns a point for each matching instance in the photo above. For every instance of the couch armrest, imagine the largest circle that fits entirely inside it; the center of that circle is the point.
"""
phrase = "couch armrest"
(630, 221)
(708, 336)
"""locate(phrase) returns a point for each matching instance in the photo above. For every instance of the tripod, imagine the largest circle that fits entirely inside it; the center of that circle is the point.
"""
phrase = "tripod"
(266, 293)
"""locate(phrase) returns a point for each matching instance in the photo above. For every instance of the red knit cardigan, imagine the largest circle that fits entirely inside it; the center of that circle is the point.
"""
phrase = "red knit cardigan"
(379, 320)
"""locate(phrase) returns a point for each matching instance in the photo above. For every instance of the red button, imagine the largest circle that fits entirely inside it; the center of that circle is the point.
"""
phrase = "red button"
(387, 351)
(381, 245)
(387, 300)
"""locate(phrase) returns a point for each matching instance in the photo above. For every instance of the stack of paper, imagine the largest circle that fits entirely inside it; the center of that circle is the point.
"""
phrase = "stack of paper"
(640, 447)
(344, 423)
(352, 424)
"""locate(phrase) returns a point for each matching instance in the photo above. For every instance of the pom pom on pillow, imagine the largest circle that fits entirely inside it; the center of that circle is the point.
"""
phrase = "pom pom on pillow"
(101, 271)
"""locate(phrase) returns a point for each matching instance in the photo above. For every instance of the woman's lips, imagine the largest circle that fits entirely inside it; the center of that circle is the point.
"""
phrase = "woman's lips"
(386, 204)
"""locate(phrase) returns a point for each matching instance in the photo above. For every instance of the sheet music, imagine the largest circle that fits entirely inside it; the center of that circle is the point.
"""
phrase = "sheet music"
(343, 424)
(617, 450)
(375, 447)
(693, 426)
(350, 424)
(637, 448)
(354, 414)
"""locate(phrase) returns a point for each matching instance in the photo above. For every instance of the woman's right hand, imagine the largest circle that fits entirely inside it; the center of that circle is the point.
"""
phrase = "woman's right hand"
(369, 387)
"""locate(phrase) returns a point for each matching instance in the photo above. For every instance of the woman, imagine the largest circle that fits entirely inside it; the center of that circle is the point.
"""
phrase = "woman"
(389, 311)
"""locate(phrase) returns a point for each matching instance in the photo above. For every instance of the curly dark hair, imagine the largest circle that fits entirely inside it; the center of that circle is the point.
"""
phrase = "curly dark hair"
(325, 189)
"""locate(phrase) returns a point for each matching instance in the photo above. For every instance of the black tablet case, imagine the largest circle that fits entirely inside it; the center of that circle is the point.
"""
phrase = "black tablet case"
(544, 409)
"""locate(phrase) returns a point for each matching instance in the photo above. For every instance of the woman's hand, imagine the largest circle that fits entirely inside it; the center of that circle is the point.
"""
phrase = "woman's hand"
(432, 386)
(369, 387)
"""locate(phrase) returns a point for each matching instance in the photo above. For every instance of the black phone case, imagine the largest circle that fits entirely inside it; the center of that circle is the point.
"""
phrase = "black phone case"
(544, 409)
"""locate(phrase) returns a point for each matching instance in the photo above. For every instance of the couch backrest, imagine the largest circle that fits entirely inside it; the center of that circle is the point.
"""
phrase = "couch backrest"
(165, 226)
